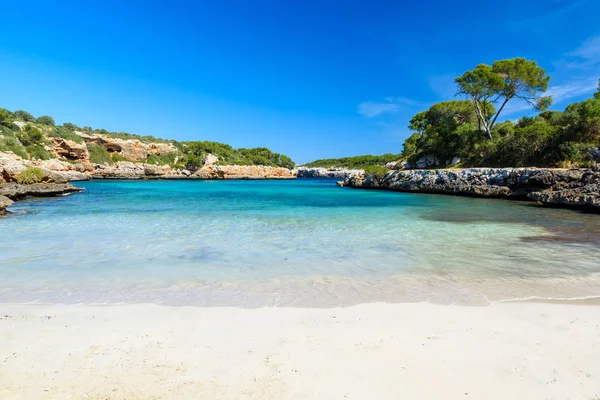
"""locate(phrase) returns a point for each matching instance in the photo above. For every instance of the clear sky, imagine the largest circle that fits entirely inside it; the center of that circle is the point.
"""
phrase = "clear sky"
(310, 79)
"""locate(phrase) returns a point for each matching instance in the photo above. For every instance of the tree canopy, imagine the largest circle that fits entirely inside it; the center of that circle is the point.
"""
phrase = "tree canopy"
(500, 83)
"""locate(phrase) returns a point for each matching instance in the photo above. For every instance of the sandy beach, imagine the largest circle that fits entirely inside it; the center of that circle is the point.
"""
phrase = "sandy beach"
(525, 350)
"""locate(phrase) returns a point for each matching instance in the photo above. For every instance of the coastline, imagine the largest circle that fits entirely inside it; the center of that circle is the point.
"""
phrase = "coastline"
(522, 350)
(554, 187)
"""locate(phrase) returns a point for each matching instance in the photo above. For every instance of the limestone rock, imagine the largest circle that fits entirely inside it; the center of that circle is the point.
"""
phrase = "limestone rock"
(10, 166)
(15, 191)
(554, 187)
(337, 173)
(132, 149)
(4, 202)
(70, 150)
(585, 197)
(454, 161)
(210, 159)
(20, 124)
(427, 162)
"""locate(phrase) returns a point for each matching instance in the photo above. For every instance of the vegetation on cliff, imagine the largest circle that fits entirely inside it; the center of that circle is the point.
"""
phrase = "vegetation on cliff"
(469, 130)
(469, 133)
(358, 162)
(29, 137)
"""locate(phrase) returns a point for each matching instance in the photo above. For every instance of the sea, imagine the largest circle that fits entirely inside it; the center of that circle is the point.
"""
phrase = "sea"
(290, 243)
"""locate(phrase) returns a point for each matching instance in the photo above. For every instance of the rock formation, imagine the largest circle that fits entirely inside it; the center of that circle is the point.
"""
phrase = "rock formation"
(4, 202)
(337, 173)
(70, 150)
(131, 149)
(554, 187)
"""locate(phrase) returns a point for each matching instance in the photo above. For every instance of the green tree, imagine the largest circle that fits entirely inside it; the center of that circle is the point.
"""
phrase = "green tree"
(5, 115)
(597, 94)
(418, 124)
(516, 78)
(24, 115)
(45, 120)
(445, 130)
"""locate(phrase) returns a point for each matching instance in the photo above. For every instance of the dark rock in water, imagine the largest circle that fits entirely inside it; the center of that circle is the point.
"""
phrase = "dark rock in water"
(4, 202)
(554, 187)
(15, 191)
(584, 197)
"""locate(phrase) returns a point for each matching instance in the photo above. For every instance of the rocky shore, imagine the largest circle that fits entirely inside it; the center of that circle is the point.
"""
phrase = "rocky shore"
(574, 188)
(323, 173)
(10, 192)
(11, 165)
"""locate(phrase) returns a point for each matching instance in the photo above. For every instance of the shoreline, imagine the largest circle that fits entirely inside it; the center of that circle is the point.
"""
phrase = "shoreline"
(378, 350)
(553, 187)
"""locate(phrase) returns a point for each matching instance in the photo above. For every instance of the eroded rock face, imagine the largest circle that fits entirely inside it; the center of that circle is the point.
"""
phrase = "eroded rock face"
(555, 187)
(337, 173)
(55, 171)
(10, 166)
(70, 150)
(132, 149)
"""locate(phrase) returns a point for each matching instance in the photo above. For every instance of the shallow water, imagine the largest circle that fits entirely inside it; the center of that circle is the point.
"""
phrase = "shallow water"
(279, 243)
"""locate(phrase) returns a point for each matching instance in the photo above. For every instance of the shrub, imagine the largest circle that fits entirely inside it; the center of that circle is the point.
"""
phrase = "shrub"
(163, 159)
(31, 136)
(376, 172)
(45, 120)
(65, 133)
(6, 115)
(30, 175)
(13, 145)
(99, 154)
(24, 115)
(358, 162)
(116, 157)
(39, 152)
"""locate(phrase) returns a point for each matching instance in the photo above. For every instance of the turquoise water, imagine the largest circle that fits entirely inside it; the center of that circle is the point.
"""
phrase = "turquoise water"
(282, 243)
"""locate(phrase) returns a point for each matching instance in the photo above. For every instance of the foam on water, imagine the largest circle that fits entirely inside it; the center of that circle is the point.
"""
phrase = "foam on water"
(303, 242)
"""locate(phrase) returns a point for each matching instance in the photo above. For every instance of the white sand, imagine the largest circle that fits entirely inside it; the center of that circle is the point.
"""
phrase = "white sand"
(372, 351)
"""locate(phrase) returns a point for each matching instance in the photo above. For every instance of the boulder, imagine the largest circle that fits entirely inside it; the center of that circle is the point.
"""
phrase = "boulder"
(10, 166)
(427, 162)
(210, 159)
(4, 202)
(454, 161)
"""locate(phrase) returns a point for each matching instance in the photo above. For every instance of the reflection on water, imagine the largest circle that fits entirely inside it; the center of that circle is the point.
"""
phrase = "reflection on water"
(302, 243)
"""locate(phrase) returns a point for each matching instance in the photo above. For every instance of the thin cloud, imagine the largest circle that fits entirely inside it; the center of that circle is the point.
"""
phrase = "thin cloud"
(371, 109)
(586, 55)
(572, 89)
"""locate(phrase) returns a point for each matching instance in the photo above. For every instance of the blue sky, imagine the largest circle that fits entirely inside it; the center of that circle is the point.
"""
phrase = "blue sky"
(310, 79)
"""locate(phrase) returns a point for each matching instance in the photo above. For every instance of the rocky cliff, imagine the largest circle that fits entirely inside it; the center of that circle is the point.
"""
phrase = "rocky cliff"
(11, 165)
(574, 188)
